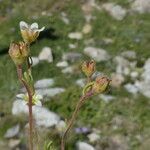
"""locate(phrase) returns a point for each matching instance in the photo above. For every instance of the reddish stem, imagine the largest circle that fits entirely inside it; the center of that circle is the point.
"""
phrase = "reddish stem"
(20, 76)
(74, 115)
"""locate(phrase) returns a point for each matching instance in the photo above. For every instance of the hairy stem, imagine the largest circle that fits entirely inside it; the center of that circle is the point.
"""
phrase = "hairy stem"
(74, 115)
(20, 76)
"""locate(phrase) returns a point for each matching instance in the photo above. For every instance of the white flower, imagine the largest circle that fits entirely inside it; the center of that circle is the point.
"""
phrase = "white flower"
(30, 32)
(35, 99)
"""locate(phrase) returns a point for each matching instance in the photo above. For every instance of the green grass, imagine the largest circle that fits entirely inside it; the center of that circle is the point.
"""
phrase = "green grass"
(130, 34)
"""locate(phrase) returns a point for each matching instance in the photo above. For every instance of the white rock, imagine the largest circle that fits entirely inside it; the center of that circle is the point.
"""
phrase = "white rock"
(35, 61)
(141, 6)
(106, 98)
(81, 82)
(46, 54)
(93, 137)
(42, 116)
(131, 88)
(97, 54)
(84, 146)
(134, 74)
(71, 56)
(64, 18)
(116, 11)
(50, 92)
(122, 65)
(12, 132)
(146, 73)
(86, 29)
(72, 46)
(61, 126)
(75, 35)
(44, 83)
(129, 54)
(69, 69)
(62, 64)
(117, 80)
(144, 87)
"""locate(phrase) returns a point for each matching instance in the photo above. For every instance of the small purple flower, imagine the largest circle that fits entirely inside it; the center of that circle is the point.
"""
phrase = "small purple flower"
(82, 130)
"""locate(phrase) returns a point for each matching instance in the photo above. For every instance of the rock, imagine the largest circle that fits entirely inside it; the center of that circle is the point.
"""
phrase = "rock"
(81, 82)
(86, 29)
(62, 64)
(14, 143)
(72, 46)
(50, 92)
(42, 116)
(44, 83)
(12, 132)
(84, 146)
(97, 54)
(117, 80)
(35, 61)
(93, 137)
(82, 130)
(116, 11)
(134, 75)
(75, 35)
(141, 6)
(123, 65)
(106, 98)
(69, 70)
(129, 54)
(108, 41)
(144, 87)
(61, 126)
(71, 56)
(117, 142)
(146, 73)
(46, 54)
(64, 18)
(131, 88)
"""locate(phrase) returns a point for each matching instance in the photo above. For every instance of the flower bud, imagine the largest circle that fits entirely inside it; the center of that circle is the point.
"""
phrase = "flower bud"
(88, 67)
(101, 84)
(18, 52)
(29, 32)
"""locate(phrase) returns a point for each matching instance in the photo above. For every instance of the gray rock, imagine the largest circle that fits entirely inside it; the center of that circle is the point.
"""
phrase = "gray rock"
(131, 88)
(42, 116)
(141, 6)
(72, 46)
(71, 56)
(84, 146)
(81, 82)
(62, 64)
(93, 137)
(116, 11)
(50, 92)
(35, 61)
(75, 35)
(12, 132)
(44, 83)
(106, 98)
(129, 54)
(146, 73)
(64, 18)
(46, 54)
(69, 70)
(97, 54)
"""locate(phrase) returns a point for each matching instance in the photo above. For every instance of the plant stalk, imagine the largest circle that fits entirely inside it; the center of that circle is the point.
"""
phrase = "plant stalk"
(74, 115)
(20, 76)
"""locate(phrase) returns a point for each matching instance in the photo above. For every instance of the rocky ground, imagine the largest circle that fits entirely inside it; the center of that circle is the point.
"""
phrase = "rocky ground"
(115, 34)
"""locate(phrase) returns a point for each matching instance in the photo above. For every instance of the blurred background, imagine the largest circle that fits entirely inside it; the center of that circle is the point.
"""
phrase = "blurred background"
(116, 34)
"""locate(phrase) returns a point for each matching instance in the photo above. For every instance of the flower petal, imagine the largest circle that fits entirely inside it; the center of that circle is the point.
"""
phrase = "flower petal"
(39, 30)
(20, 96)
(34, 26)
(23, 25)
